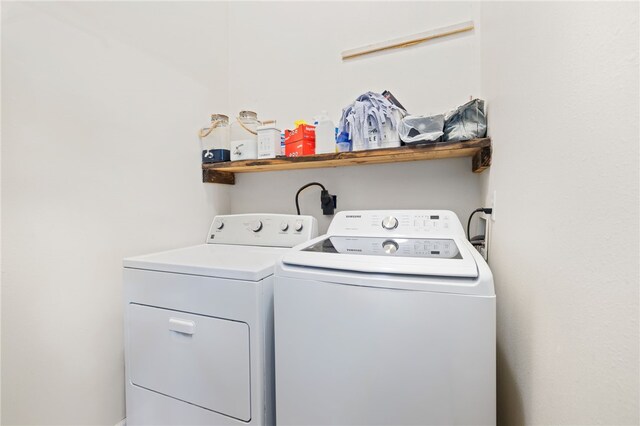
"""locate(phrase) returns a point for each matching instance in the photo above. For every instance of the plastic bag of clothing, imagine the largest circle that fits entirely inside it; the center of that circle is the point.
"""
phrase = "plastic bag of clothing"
(466, 122)
(371, 122)
(420, 129)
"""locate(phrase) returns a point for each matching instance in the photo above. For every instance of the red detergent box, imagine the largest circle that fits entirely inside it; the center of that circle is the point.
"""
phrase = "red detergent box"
(300, 141)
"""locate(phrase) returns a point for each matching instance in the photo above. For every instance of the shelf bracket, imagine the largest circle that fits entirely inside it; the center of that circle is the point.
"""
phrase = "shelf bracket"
(481, 160)
(215, 176)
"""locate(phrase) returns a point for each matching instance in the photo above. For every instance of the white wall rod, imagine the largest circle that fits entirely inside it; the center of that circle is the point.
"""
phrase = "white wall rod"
(410, 40)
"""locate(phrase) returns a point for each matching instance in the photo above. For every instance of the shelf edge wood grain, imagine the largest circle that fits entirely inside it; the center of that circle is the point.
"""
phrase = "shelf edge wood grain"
(214, 176)
(478, 149)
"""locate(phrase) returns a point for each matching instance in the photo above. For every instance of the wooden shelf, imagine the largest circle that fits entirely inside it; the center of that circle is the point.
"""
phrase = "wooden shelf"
(479, 149)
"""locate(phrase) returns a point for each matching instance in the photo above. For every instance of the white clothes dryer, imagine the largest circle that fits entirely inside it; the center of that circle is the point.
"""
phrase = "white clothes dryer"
(199, 324)
(389, 319)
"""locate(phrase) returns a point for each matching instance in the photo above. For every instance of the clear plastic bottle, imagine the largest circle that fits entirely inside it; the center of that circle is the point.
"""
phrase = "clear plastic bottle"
(325, 134)
(214, 140)
(244, 139)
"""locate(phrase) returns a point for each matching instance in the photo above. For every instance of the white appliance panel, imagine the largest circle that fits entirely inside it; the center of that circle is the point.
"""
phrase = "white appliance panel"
(480, 286)
(353, 355)
(400, 242)
(404, 261)
(246, 263)
(400, 223)
(271, 230)
(199, 325)
(386, 325)
(154, 409)
(194, 358)
(425, 248)
(244, 301)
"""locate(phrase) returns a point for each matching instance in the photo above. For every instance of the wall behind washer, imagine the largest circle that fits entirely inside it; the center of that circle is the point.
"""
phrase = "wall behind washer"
(561, 81)
(284, 62)
(95, 166)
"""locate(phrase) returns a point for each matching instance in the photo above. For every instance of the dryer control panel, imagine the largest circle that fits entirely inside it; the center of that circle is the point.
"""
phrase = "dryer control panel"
(271, 230)
(397, 223)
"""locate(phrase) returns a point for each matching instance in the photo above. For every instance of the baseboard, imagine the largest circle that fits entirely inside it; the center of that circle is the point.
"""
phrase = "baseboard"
(122, 422)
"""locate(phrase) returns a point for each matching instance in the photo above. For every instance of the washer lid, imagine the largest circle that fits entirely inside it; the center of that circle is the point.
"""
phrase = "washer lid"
(447, 257)
(212, 260)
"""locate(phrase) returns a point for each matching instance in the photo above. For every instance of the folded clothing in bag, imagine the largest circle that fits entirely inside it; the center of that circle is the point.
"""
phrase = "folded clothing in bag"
(419, 129)
(371, 122)
(466, 122)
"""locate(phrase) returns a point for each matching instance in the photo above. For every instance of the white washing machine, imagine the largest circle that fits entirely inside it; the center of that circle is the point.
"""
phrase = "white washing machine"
(389, 319)
(199, 324)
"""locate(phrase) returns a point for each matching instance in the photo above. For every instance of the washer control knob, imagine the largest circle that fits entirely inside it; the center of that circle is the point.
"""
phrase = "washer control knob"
(256, 226)
(390, 247)
(298, 226)
(284, 226)
(389, 222)
(218, 224)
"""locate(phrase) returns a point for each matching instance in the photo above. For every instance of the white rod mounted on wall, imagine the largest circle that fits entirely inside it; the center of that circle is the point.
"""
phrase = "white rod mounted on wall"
(411, 40)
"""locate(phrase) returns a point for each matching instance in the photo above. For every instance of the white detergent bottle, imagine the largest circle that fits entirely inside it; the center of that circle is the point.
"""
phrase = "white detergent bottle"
(325, 134)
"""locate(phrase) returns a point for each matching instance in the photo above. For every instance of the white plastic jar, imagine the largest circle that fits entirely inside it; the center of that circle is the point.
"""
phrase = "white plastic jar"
(244, 139)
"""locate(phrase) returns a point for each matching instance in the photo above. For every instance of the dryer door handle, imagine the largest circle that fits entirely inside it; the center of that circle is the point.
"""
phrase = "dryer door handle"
(181, 326)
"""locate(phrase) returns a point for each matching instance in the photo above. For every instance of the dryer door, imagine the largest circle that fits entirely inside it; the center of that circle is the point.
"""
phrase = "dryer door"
(194, 358)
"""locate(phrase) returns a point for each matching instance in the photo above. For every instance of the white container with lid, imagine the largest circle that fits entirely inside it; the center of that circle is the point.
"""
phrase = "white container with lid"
(268, 142)
(244, 136)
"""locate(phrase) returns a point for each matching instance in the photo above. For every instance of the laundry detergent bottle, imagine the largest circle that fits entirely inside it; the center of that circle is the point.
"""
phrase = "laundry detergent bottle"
(325, 134)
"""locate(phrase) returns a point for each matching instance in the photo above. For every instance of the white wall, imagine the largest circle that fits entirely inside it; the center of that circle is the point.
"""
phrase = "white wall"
(561, 81)
(0, 231)
(100, 107)
(96, 89)
(284, 62)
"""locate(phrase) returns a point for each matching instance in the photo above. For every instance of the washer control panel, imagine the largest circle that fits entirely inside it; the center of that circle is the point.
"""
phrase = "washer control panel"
(396, 223)
(271, 230)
